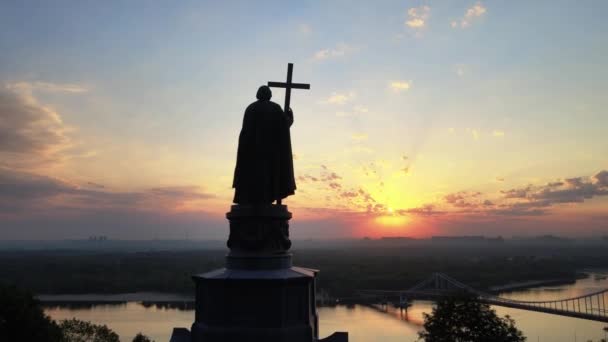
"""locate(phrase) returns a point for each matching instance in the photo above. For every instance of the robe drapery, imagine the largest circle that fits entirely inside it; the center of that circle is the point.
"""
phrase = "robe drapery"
(264, 164)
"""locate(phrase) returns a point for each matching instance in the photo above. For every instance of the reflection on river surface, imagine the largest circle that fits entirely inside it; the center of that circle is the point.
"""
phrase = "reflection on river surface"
(363, 323)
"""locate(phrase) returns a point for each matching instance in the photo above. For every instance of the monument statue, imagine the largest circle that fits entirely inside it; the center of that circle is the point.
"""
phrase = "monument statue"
(264, 164)
(259, 295)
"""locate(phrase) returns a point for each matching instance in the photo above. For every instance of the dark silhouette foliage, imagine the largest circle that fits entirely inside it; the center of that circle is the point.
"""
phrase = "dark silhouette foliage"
(22, 318)
(463, 319)
(142, 338)
(75, 330)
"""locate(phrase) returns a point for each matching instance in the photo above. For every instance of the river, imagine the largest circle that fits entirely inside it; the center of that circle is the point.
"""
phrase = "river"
(363, 323)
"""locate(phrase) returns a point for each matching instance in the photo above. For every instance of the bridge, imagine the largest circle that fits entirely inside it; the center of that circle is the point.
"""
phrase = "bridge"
(591, 306)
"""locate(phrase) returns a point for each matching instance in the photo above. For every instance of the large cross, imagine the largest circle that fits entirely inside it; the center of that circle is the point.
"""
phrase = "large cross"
(288, 86)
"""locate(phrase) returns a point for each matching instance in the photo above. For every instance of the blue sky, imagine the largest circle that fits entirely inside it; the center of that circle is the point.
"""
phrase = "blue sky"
(410, 102)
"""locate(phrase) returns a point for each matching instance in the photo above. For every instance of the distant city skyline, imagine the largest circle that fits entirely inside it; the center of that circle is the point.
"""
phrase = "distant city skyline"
(424, 118)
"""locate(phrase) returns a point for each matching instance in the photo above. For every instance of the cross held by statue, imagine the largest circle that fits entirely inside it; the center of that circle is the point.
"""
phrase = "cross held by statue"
(288, 85)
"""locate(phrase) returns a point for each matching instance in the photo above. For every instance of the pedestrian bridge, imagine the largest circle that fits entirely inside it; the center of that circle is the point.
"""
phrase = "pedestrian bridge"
(591, 306)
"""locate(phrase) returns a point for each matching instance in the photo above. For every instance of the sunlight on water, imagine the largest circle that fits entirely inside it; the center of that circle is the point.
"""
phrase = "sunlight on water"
(363, 323)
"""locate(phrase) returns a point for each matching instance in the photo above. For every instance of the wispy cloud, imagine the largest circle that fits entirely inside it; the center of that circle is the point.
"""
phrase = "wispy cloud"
(417, 16)
(461, 69)
(471, 14)
(425, 210)
(48, 87)
(30, 133)
(399, 86)
(475, 134)
(356, 110)
(339, 98)
(359, 136)
(33, 193)
(339, 50)
(529, 200)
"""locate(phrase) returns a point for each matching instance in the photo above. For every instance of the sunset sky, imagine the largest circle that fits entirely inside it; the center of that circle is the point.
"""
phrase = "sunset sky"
(121, 118)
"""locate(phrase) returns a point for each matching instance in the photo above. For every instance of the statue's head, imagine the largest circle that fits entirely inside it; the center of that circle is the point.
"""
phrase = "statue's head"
(264, 93)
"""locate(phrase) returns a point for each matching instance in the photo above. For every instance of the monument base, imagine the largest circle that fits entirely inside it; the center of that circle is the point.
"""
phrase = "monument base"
(259, 296)
(255, 305)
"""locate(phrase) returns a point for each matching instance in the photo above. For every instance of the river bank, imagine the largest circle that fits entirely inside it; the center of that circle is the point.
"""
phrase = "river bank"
(362, 322)
(161, 297)
(525, 285)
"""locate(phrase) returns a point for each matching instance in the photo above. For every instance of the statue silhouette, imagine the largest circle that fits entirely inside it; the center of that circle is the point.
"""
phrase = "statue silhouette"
(264, 165)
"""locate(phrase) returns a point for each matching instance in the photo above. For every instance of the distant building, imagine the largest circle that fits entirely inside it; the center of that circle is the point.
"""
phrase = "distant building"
(552, 239)
(542, 239)
(466, 239)
(397, 238)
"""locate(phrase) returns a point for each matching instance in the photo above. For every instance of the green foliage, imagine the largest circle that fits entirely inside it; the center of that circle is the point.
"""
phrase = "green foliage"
(142, 338)
(22, 318)
(80, 331)
(463, 319)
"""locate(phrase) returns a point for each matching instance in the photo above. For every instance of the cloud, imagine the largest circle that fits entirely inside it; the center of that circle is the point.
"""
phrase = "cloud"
(335, 185)
(601, 178)
(470, 16)
(307, 178)
(417, 16)
(463, 199)
(95, 185)
(517, 193)
(573, 190)
(349, 194)
(182, 193)
(339, 98)
(328, 176)
(399, 86)
(570, 190)
(338, 51)
(475, 134)
(30, 133)
(356, 110)
(304, 29)
(38, 194)
(460, 69)
(531, 199)
(15, 185)
(28, 87)
(425, 210)
(359, 136)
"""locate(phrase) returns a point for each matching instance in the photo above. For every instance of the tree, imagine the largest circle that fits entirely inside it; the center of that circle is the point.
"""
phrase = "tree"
(80, 331)
(22, 318)
(142, 338)
(462, 318)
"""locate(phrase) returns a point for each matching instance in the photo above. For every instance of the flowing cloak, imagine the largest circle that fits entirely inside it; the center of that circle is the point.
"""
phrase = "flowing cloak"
(264, 164)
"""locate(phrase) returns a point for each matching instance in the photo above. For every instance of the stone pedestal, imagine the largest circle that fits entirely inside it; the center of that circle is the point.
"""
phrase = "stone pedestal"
(259, 295)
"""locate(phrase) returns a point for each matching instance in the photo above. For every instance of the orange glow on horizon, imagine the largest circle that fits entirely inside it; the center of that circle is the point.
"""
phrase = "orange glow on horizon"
(392, 220)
